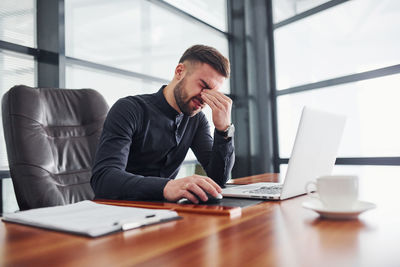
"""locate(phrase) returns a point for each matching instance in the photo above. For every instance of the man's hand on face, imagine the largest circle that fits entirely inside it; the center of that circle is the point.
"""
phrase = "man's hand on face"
(190, 187)
(221, 106)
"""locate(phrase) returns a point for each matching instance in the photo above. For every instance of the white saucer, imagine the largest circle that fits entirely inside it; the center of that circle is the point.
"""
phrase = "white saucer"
(342, 214)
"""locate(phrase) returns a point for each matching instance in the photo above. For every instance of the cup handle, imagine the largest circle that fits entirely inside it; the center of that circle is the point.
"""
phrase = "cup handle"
(309, 189)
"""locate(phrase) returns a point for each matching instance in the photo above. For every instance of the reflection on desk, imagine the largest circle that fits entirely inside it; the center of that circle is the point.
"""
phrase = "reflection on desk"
(275, 233)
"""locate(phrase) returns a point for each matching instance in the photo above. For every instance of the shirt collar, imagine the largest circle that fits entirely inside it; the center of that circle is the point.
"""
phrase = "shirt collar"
(162, 103)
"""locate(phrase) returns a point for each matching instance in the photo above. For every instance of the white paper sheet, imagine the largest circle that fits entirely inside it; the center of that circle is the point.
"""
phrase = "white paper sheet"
(90, 218)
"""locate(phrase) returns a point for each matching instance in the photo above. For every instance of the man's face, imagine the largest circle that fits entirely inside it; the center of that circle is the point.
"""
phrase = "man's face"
(199, 77)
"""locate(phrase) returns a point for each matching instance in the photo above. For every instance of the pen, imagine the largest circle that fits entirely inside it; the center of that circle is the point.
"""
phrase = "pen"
(149, 219)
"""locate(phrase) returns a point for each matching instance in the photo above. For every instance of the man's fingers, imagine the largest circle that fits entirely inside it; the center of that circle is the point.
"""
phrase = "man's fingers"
(218, 95)
(220, 100)
(214, 184)
(209, 181)
(205, 185)
(208, 187)
(193, 188)
(197, 190)
(189, 196)
(209, 102)
(227, 98)
(213, 99)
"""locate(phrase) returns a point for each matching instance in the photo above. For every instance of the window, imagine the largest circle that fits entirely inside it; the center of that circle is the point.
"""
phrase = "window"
(112, 86)
(17, 29)
(210, 11)
(138, 35)
(370, 106)
(130, 47)
(284, 9)
(18, 22)
(350, 38)
(341, 58)
(15, 69)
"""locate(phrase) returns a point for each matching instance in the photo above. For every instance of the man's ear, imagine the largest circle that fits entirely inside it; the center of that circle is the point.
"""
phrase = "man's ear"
(180, 71)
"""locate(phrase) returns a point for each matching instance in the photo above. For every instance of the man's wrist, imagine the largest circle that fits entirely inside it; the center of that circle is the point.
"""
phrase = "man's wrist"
(223, 129)
(227, 133)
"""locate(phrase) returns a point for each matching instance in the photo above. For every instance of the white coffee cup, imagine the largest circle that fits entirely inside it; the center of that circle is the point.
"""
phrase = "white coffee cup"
(339, 192)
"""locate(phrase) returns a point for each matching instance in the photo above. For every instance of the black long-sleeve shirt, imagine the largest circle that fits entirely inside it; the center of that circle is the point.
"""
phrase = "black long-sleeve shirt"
(144, 143)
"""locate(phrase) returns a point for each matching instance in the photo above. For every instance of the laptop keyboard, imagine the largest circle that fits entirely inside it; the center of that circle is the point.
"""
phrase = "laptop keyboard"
(272, 190)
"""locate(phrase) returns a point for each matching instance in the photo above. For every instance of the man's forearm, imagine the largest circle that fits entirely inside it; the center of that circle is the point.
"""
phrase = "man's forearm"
(113, 183)
(221, 161)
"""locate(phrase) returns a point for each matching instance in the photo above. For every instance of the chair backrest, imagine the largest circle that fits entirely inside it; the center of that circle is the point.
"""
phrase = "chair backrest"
(51, 137)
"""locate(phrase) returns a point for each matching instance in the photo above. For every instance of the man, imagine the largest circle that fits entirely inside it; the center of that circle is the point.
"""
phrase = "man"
(146, 137)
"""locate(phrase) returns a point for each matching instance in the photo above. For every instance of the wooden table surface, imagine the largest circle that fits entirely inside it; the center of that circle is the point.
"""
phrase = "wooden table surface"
(273, 233)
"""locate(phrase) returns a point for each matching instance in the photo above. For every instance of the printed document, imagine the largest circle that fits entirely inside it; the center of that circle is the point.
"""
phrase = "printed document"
(89, 218)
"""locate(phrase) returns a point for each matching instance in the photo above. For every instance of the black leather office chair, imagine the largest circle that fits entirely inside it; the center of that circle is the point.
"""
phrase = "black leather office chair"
(51, 137)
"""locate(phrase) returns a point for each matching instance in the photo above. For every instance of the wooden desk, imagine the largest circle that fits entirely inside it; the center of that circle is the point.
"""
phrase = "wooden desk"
(269, 234)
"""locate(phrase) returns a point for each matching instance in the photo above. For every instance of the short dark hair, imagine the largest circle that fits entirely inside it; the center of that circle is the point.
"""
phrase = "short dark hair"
(209, 55)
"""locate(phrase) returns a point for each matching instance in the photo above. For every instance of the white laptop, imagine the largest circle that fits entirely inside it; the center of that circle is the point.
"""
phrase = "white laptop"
(313, 155)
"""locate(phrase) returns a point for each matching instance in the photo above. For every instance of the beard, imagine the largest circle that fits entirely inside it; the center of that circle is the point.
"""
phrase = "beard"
(183, 101)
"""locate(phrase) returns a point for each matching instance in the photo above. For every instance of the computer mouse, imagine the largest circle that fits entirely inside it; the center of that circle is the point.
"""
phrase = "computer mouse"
(211, 199)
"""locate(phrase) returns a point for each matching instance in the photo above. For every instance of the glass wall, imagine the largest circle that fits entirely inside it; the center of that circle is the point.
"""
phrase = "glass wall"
(326, 59)
(285, 9)
(15, 69)
(17, 27)
(112, 86)
(18, 22)
(370, 106)
(134, 35)
(353, 37)
(135, 45)
(211, 11)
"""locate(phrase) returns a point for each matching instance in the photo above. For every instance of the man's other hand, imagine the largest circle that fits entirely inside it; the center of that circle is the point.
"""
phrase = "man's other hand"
(221, 106)
(190, 187)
